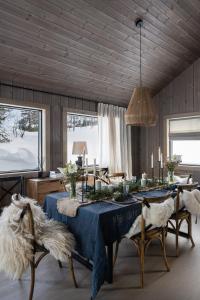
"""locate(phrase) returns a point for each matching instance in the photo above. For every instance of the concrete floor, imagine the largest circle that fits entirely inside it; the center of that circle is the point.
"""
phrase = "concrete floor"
(182, 282)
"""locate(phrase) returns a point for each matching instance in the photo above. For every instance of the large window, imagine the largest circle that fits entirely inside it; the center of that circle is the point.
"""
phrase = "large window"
(20, 139)
(82, 128)
(184, 139)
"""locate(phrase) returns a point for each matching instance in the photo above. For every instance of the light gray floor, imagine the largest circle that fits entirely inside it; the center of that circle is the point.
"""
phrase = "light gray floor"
(182, 282)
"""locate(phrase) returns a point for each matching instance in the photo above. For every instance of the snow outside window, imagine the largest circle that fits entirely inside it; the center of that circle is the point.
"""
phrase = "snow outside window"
(20, 139)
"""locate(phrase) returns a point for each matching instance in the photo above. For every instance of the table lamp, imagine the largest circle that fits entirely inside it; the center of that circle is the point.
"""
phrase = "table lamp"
(80, 148)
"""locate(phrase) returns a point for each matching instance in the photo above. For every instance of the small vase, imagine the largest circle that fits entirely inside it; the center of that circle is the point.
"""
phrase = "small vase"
(170, 176)
(73, 189)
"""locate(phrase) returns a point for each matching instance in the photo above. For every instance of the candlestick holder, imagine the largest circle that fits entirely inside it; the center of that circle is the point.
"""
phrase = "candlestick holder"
(152, 174)
(162, 175)
(83, 181)
(159, 164)
(94, 183)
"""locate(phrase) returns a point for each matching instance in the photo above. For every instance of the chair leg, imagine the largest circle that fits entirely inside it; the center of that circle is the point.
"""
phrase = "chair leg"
(60, 264)
(177, 236)
(164, 250)
(141, 264)
(116, 252)
(71, 266)
(189, 221)
(32, 280)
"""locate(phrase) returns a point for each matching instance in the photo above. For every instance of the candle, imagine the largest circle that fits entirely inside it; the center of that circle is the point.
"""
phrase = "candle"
(152, 160)
(159, 153)
(86, 166)
(161, 160)
(95, 167)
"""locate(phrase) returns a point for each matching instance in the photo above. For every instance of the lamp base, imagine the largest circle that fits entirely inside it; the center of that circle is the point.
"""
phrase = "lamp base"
(79, 161)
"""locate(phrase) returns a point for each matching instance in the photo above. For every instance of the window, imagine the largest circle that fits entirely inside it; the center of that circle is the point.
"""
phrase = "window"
(20, 139)
(82, 128)
(184, 139)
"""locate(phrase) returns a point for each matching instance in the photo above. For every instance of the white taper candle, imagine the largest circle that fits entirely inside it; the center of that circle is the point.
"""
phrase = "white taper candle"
(152, 160)
(159, 153)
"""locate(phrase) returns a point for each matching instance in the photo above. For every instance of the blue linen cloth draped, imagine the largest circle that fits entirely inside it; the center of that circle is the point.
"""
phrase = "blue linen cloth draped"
(94, 227)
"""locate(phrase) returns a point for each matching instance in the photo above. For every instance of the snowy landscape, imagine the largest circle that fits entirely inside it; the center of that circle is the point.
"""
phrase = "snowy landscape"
(18, 139)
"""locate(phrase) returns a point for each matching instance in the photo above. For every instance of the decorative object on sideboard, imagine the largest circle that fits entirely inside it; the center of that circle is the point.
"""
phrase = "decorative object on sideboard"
(141, 109)
(80, 149)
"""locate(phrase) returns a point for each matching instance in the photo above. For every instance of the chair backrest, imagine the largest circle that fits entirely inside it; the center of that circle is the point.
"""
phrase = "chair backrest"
(119, 175)
(25, 209)
(184, 176)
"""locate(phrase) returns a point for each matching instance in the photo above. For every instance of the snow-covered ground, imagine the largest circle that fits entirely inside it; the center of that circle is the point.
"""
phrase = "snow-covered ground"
(20, 153)
(84, 134)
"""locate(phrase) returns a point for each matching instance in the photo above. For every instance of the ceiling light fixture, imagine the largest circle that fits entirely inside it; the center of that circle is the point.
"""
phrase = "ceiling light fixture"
(141, 109)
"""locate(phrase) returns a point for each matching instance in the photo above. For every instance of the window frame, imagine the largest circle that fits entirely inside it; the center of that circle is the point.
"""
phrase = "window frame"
(178, 136)
(72, 111)
(45, 134)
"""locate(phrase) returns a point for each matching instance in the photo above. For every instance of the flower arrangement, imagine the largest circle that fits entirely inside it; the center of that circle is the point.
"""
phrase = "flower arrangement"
(71, 172)
(173, 162)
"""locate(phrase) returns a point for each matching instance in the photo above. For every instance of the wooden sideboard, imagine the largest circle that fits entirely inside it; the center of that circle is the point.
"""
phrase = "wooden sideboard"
(38, 188)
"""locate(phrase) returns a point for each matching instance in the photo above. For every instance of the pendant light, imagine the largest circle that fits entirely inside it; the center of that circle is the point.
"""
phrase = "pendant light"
(141, 109)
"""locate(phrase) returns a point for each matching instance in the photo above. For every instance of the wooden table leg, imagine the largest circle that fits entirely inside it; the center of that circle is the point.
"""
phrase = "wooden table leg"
(110, 262)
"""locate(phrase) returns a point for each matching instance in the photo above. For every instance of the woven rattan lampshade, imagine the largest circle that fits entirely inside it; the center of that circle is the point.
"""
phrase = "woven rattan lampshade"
(141, 109)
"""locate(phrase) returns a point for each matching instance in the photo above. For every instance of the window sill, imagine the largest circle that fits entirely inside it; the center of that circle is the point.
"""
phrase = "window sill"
(25, 174)
(189, 168)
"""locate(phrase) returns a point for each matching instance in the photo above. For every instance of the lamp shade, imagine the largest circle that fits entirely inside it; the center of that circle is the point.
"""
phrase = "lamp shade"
(141, 109)
(79, 148)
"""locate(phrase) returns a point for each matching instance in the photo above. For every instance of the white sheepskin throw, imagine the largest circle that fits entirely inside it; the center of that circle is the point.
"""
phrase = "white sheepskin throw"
(15, 238)
(157, 215)
(191, 201)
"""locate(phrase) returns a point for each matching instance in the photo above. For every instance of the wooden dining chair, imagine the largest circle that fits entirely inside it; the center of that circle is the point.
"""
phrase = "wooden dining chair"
(180, 215)
(26, 209)
(116, 175)
(143, 239)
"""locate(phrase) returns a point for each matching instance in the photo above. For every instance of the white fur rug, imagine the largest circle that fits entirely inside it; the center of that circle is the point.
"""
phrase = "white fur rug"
(15, 239)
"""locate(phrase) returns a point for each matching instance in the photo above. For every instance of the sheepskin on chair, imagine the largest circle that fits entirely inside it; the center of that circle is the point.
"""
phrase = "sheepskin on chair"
(157, 215)
(191, 201)
(15, 238)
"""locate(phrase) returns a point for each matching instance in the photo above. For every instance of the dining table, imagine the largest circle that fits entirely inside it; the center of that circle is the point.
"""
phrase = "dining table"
(96, 227)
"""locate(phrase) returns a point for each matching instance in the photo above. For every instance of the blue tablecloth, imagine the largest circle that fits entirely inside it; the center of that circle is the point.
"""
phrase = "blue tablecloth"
(153, 194)
(94, 227)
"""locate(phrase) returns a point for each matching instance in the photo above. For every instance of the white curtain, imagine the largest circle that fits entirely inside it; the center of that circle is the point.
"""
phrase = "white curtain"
(114, 139)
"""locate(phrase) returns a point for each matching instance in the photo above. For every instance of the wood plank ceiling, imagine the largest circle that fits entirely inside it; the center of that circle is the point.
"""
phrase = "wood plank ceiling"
(90, 48)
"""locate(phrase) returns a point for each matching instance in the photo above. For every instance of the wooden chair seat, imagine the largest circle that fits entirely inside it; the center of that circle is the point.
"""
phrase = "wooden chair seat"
(181, 214)
(149, 234)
